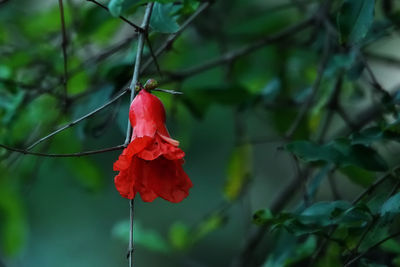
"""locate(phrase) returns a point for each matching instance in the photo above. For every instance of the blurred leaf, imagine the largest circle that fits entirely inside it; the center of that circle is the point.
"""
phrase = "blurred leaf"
(115, 7)
(392, 205)
(358, 175)
(198, 100)
(262, 217)
(340, 152)
(163, 19)
(86, 172)
(13, 224)
(179, 236)
(147, 238)
(355, 19)
(39, 114)
(323, 213)
(208, 225)
(239, 171)
(374, 134)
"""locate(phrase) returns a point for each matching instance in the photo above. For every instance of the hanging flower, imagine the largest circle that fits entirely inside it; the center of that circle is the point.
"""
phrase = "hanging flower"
(152, 162)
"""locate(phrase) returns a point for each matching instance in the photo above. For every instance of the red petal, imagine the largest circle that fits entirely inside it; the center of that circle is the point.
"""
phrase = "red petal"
(160, 147)
(147, 114)
(166, 178)
(133, 148)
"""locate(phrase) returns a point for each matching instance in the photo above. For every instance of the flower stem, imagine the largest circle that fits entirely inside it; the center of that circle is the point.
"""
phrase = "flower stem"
(132, 209)
(135, 78)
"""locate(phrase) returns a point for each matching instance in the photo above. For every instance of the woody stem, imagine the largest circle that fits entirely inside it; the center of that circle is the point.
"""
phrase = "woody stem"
(136, 70)
(130, 253)
(135, 78)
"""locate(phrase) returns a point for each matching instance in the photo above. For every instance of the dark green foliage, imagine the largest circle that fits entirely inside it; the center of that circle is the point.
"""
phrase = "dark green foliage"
(289, 119)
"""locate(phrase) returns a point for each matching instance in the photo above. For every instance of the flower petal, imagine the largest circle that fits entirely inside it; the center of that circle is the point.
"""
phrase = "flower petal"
(166, 178)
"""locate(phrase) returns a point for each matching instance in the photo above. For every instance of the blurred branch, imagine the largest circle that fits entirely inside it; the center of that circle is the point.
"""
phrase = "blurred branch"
(315, 87)
(78, 120)
(102, 56)
(366, 192)
(171, 38)
(374, 80)
(232, 55)
(78, 154)
(153, 56)
(391, 60)
(354, 260)
(64, 50)
(137, 28)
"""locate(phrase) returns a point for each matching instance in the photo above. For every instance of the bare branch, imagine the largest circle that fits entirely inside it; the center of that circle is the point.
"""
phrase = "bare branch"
(78, 120)
(67, 155)
(136, 70)
(174, 36)
(64, 49)
(372, 247)
(137, 28)
(232, 55)
(153, 56)
(315, 87)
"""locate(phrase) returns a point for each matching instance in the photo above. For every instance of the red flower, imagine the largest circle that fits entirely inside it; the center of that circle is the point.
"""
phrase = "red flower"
(152, 162)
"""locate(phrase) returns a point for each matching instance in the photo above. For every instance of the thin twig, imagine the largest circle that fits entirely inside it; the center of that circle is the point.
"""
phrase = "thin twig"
(64, 49)
(315, 87)
(372, 247)
(171, 38)
(153, 56)
(137, 28)
(66, 155)
(232, 55)
(72, 123)
(135, 76)
(135, 79)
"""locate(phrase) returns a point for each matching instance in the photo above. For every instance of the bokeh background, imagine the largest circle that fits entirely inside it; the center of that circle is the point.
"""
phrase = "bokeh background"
(233, 120)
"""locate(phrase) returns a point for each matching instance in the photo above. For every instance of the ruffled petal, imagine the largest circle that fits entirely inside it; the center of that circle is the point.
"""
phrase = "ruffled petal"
(125, 184)
(166, 178)
(160, 147)
(133, 148)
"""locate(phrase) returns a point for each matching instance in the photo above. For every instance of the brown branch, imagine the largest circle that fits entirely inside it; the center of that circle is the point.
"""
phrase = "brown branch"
(171, 38)
(372, 247)
(66, 126)
(78, 154)
(232, 55)
(137, 28)
(315, 87)
(64, 49)
(153, 56)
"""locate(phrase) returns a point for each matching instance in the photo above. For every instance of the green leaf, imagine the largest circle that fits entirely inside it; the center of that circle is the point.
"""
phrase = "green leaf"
(392, 205)
(208, 225)
(358, 175)
(374, 134)
(323, 213)
(86, 172)
(198, 100)
(115, 7)
(239, 171)
(13, 226)
(355, 19)
(341, 152)
(179, 236)
(263, 217)
(147, 238)
(163, 19)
